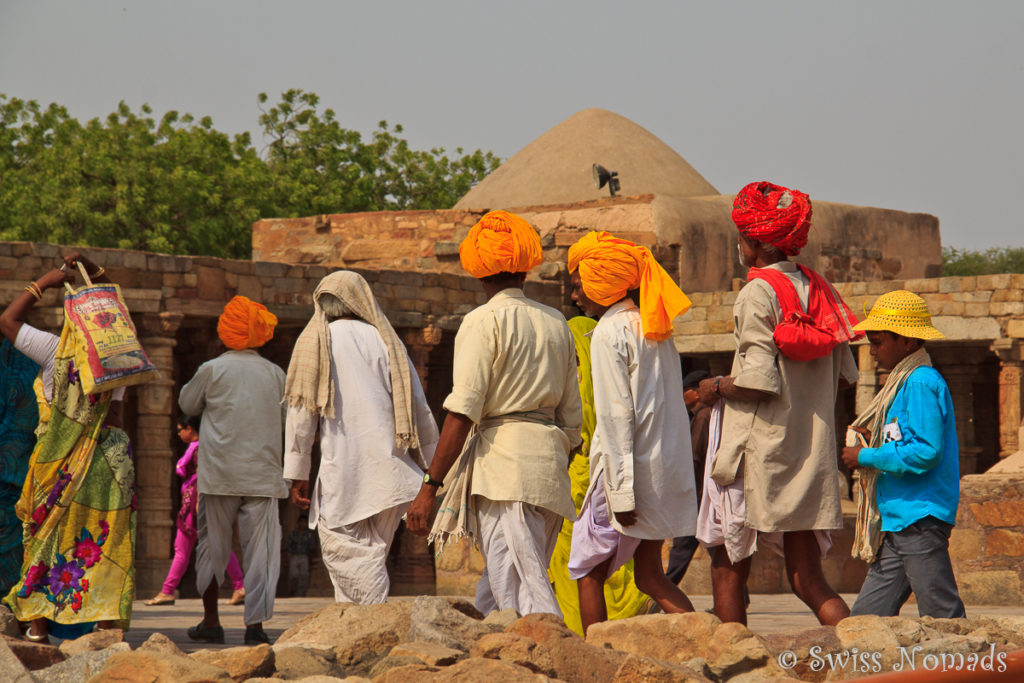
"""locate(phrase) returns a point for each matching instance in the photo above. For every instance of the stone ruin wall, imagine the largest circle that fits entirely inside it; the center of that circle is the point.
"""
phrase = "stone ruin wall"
(175, 301)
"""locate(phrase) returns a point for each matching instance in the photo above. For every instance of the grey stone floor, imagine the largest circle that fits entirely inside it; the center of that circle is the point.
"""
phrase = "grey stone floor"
(767, 614)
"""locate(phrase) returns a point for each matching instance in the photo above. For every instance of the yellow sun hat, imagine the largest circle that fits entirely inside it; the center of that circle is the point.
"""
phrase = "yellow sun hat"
(903, 313)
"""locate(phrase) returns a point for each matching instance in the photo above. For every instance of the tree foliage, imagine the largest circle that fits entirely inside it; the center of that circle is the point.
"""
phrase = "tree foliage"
(178, 185)
(989, 262)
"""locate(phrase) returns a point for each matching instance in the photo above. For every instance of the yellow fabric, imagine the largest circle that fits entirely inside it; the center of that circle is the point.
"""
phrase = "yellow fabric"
(621, 595)
(78, 508)
(500, 242)
(245, 324)
(903, 313)
(609, 267)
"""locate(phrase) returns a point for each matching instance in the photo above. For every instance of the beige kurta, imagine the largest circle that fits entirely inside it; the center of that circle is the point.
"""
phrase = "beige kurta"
(514, 375)
(784, 448)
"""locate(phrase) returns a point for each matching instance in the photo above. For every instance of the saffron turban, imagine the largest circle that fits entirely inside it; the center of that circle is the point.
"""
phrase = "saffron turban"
(609, 267)
(500, 242)
(773, 214)
(245, 324)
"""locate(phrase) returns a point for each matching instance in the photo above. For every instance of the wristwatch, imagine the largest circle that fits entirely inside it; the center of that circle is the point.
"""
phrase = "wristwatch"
(430, 481)
(718, 381)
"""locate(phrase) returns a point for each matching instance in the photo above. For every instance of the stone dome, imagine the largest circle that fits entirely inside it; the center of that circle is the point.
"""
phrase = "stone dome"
(556, 167)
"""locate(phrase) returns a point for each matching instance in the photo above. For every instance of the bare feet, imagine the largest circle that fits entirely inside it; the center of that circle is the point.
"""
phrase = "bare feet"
(238, 597)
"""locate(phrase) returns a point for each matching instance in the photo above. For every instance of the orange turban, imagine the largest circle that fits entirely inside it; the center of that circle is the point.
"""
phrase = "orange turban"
(610, 267)
(245, 324)
(500, 242)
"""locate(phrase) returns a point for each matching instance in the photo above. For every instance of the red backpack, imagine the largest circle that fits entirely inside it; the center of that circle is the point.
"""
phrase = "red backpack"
(798, 335)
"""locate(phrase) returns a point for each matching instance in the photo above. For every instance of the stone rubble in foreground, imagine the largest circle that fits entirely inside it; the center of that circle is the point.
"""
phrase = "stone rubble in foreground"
(446, 639)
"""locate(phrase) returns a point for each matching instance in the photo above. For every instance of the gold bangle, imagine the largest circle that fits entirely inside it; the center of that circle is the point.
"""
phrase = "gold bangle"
(33, 289)
(99, 272)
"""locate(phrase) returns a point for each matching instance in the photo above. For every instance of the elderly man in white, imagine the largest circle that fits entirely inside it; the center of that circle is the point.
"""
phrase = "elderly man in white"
(351, 376)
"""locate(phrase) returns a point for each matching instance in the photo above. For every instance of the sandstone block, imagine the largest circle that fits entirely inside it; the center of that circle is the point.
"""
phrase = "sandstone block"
(923, 285)
(1015, 329)
(1006, 308)
(11, 668)
(160, 643)
(991, 587)
(637, 669)
(34, 656)
(1004, 542)
(295, 661)
(964, 544)
(97, 640)
(434, 620)
(241, 663)
(157, 667)
(999, 513)
(8, 623)
(430, 654)
(673, 638)
(575, 660)
(1001, 281)
(867, 633)
(80, 667)
(520, 650)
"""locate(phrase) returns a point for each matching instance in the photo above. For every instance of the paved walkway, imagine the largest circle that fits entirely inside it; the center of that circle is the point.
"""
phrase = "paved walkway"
(768, 614)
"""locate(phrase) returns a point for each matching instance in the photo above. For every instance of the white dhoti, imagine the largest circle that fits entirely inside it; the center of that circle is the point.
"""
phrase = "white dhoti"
(260, 533)
(356, 554)
(517, 540)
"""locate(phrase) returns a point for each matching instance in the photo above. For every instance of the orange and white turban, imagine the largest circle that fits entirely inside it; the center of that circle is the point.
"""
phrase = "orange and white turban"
(609, 267)
(500, 242)
(773, 214)
(245, 324)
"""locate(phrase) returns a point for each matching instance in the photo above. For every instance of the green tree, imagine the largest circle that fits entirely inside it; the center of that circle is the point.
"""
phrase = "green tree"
(989, 262)
(178, 185)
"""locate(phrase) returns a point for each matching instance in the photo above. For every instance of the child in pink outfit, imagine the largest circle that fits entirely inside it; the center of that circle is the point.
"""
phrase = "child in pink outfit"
(185, 541)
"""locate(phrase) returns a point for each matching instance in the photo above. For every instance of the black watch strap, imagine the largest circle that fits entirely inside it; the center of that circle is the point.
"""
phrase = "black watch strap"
(429, 481)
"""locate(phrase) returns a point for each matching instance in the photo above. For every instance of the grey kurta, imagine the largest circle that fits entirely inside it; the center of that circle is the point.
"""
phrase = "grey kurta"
(785, 447)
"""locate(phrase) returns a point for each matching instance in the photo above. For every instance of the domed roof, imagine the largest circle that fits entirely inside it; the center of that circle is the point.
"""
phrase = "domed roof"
(556, 167)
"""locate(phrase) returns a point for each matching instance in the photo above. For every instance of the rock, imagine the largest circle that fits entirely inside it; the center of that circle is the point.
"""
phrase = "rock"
(301, 661)
(8, 622)
(867, 633)
(954, 627)
(1010, 629)
(821, 638)
(575, 660)
(359, 634)
(465, 606)
(410, 673)
(11, 668)
(639, 669)
(502, 617)
(157, 667)
(388, 663)
(160, 644)
(80, 667)
(90, 642)
(430, 654)
(34, 656)
(909, 631)
(471, 670)
(672, 638)
(241, 663)
(434, 620)
(520, 650)
(735, 649)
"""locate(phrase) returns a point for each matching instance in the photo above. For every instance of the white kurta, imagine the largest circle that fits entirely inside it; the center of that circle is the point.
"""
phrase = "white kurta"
(362, 469)
(642, 438)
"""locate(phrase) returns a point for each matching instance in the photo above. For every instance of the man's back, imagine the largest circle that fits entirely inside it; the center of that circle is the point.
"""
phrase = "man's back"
(515, 377)
(239, 396)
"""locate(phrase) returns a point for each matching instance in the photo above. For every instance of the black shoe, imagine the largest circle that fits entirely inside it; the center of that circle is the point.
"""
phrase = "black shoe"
(207, 634)
(255, 635)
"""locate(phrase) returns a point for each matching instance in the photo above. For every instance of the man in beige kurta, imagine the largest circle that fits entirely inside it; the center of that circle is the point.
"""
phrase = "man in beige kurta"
(778, 424)
(514, 414)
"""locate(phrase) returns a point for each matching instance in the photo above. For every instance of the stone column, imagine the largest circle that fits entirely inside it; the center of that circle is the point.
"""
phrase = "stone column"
(868, 382)
(1011, 393)
(959, 366)
(154, 457)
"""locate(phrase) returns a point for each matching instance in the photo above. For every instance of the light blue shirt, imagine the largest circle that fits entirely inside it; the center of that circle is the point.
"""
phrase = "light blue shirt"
(920, 472)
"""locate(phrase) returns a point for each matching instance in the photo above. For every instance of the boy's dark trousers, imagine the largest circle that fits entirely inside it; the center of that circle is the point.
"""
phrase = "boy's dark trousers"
(916, 560)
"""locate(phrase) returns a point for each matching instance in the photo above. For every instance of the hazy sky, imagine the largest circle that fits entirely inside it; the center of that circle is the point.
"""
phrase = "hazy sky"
(917, 106)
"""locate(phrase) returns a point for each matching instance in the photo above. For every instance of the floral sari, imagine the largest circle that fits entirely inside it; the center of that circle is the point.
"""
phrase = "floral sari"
(77, 507)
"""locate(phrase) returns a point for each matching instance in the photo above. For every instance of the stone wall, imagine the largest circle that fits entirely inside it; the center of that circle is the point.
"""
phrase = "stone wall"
(693, 238)
(987, 544)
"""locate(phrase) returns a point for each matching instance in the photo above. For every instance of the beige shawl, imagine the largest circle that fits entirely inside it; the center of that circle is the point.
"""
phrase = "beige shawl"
(309, 381)
(868, 532)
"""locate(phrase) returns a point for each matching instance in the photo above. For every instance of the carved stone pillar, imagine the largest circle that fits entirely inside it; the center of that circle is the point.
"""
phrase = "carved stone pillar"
(960, 367)
(154, 456)
(1011, 394)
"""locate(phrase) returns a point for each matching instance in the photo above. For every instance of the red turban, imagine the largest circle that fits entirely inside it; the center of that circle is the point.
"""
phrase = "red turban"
(773, 214)
(500, 242)
(245, 324)
(609, 267)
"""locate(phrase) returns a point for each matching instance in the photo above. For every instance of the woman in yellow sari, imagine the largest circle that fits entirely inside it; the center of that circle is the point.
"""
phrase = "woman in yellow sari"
(78, 501)
(621, 595)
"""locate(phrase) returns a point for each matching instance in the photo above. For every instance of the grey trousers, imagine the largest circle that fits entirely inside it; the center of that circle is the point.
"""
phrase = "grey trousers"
(260, 533)
(913, 560)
